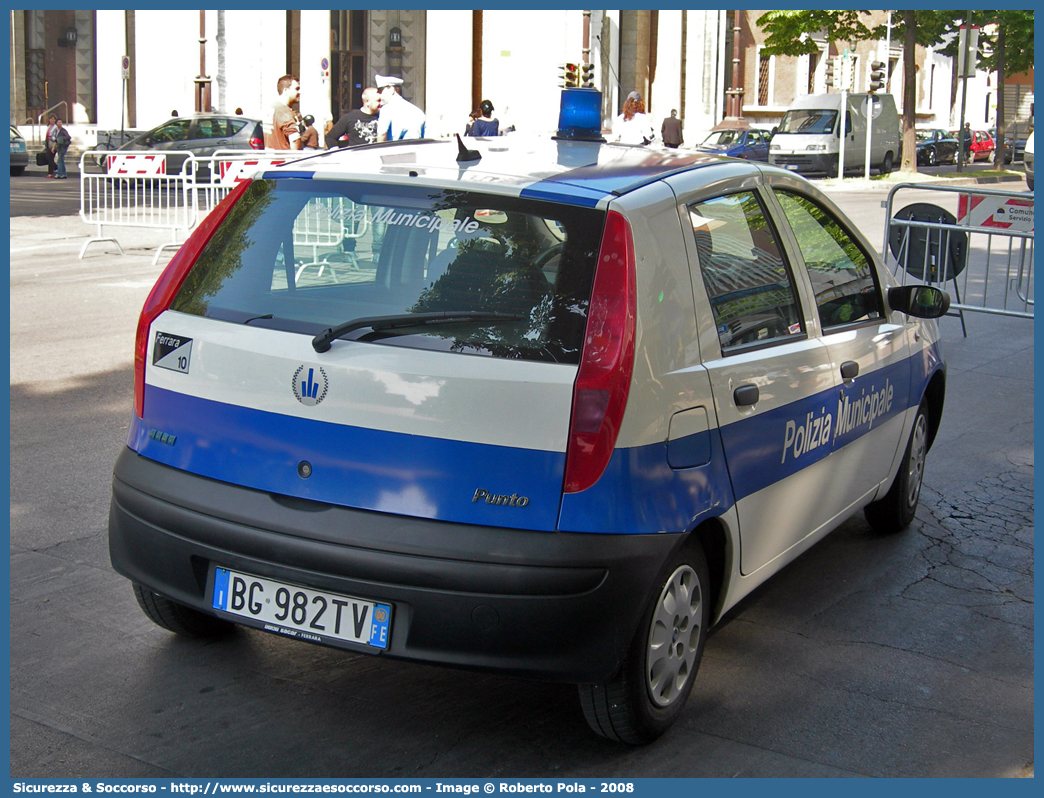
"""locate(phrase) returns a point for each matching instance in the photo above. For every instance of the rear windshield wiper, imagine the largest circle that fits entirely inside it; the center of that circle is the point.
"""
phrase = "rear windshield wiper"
(321, 342)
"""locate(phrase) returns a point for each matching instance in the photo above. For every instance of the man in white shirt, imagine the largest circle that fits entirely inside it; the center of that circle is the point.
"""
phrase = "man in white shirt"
(399, 119)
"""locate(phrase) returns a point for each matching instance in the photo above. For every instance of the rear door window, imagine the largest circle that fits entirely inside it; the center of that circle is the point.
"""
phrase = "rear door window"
(304, 256)
(213, 128)
(748, 282)
(841, 273)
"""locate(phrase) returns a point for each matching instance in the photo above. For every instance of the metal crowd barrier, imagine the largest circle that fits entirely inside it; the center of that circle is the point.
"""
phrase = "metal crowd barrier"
(162, 190)
(977, 244)
(133, 189)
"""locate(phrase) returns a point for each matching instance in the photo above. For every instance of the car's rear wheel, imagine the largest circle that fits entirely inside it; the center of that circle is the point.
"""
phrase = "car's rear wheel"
(897, 508)
(886, 164)
(657, 675)
(931, 157)
(178, 618)
(17, 171)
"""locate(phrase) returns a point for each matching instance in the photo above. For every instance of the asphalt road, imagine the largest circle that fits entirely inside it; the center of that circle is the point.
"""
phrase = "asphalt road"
(904, 656)
(34, 194)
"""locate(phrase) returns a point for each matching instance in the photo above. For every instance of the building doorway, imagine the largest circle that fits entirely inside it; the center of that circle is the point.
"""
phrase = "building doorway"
(347, 60)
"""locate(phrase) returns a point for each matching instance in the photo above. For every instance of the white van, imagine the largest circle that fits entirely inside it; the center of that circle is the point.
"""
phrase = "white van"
(808, 139)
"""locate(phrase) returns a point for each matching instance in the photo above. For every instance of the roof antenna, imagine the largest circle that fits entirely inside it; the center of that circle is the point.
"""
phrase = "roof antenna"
(464, 154)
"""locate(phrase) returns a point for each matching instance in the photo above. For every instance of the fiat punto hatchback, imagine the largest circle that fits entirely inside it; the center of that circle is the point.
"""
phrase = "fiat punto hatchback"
(546, 408)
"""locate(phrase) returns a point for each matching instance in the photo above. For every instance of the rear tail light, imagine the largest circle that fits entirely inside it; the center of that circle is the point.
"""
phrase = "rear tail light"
(257, 143)
(607, 362)
(167, 286)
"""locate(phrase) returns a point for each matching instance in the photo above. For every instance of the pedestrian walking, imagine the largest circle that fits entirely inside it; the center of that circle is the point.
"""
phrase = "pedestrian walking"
(671, 130)
(633, 126)
(62, 140)
(358, 126)
(399, 119)
(50, 146)
(486, 125)
(285, 135)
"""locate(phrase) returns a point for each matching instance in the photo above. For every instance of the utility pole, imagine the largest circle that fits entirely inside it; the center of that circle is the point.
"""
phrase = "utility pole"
(735, 104)
(966, 68)
(202, 81)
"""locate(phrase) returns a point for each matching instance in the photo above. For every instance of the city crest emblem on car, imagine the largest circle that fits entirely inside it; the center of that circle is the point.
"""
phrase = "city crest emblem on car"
(310, 389)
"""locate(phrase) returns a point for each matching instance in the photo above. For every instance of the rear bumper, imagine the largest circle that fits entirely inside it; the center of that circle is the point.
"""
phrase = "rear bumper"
(551, 605)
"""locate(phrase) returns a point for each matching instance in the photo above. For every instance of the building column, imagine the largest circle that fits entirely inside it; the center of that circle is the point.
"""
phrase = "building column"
(316, 96)
(110, 47)
(669, 68)
(448, 70)
(19, 110)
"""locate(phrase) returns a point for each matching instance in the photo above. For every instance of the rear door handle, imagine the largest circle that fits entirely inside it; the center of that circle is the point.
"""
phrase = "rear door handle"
(849, 370)
(746, 395)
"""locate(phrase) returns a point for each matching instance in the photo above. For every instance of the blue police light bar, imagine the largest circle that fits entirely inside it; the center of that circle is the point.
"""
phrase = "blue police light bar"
(580, 115)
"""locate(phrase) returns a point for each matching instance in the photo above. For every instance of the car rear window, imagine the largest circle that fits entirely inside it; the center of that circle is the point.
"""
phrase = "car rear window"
(307, 255)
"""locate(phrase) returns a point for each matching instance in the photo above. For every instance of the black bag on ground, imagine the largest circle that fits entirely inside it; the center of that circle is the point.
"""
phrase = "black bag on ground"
(41, 158)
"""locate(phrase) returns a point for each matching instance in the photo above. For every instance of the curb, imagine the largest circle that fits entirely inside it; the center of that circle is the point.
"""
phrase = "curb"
(862, 184)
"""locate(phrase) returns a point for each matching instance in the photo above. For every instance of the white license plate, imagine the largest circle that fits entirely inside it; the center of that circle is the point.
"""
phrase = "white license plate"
(300, 611)
(792, 167)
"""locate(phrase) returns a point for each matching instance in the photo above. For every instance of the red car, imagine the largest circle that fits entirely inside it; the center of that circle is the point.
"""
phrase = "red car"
(982, 145)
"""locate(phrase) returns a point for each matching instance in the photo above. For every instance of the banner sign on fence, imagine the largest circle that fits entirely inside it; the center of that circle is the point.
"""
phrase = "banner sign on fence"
(137, 165)
(1004, 213)
(233, 172)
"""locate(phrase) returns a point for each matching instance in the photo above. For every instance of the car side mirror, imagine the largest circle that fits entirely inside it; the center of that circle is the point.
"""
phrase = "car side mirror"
(774, 131)
(923, 301)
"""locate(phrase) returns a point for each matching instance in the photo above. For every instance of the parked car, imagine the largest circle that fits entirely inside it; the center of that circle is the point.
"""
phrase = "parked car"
(935, 147)
(1013, 147)
(19, 153)
(201, 135)
(505, 412)
(981, 146)
(751, 145)
(1028, 155)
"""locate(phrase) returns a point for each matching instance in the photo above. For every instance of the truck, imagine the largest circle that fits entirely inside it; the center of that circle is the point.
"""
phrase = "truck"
(808, 137)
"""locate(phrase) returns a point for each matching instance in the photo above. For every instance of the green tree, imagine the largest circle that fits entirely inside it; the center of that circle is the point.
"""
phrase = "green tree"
(1007, 50)
(926, 27)
(785, 30)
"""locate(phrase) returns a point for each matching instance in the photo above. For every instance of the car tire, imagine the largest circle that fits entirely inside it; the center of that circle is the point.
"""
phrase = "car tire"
(895, 511)
(178, 618)
(931, 157)
(656, 677)
(17, 171)
(886, 164)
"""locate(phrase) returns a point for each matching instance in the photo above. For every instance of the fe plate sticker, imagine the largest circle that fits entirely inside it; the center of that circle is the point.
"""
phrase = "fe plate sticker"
(172, 352)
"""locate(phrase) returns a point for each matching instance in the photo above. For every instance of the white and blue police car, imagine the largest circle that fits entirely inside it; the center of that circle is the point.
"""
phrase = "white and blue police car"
(548, 408)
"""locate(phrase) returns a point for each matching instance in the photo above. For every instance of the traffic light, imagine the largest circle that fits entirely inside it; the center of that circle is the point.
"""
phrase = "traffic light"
(587, 76)
(570, 76)
(830, 73)
(877, 76)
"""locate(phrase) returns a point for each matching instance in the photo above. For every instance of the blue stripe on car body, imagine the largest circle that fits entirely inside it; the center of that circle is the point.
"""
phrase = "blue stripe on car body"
(639, 493)
(356, 467)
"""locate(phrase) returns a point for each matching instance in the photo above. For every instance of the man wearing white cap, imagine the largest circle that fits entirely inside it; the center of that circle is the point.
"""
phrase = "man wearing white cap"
(399, 118)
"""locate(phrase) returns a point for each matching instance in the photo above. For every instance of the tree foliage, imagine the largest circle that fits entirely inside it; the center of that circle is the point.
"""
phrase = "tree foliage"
(786, 30)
